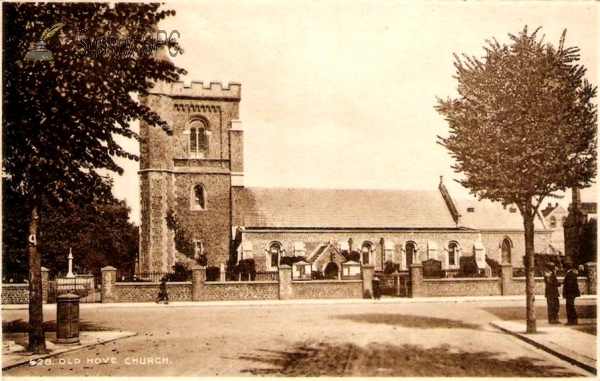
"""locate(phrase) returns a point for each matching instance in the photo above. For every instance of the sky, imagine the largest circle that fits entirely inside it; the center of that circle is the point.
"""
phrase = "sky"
(341, 94)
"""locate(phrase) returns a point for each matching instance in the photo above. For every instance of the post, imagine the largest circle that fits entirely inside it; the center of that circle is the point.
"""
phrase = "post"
(109, 279)
(198, 279)
(506, 276)
(222, 273)
(416, 280)
(382, 243)
(368, 272)
(70, 273)
(285, 283)
(592, 277)
(45, 284)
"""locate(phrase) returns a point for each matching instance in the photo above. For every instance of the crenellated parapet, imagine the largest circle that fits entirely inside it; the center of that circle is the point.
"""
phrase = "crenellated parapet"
(197, 89)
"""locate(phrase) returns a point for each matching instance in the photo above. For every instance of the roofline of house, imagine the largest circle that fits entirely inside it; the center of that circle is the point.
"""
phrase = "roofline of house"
(354, 229)
(449, 202)
(511, 231)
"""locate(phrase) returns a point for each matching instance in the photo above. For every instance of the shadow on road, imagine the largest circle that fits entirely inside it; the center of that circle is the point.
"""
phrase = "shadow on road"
(408, 321)
(20, 325)
(398, 361)
(519, 312)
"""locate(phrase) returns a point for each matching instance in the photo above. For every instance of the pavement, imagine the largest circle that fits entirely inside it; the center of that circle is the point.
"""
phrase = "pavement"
(237, 303)
(14, 355)
(565, 342)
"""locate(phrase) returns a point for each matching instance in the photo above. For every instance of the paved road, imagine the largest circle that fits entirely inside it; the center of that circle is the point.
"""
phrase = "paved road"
(375, 339)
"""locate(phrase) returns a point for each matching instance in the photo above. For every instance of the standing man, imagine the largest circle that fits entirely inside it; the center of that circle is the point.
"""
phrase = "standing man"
(162, 293)
(570, 292)
(551, 293)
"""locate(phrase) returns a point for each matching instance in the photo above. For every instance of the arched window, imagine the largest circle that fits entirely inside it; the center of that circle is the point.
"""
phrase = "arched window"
(452, 253)
(198, 197)
(552, 222)
(198, 139)
(365, 251)
(563, 221)
(274, 253)
(506, 251)
(411, 249)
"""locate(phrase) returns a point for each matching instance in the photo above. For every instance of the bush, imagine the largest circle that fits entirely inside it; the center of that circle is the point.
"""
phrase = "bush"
(390, 267)
(202, 260)
(353, 256)
(317, 275)
(367, 295)
(247, 269)
(540, 263)
(213, 274)
(180, 273)
(494, 265)
(291, 260)
(468, 267)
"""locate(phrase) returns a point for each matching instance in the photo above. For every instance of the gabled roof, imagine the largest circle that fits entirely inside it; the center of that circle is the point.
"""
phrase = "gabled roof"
(317, 253)
(344, 208)
(551, 250)
(322, 250)
(488, 215)
(553, 209)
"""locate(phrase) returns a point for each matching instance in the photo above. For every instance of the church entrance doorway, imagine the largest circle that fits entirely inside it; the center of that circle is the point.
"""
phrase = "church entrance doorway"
(331, 271)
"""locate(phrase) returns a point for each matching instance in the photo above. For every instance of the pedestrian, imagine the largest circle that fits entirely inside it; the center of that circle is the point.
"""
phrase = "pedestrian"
(570, 292)
(551, 293)
(162, 292)
(376, 291)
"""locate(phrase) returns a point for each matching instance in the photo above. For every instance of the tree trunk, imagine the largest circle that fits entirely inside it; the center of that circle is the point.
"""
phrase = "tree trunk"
(528, 218)
(37, 339)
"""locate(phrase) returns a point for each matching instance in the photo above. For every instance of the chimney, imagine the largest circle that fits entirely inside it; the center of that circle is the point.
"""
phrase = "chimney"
(576, 196)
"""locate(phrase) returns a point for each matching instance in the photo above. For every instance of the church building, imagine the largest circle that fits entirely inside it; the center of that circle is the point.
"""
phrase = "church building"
(192, 186)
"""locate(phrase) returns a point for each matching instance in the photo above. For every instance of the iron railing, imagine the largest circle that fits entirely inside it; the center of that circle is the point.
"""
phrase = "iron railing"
(15, 277)
(154, 276)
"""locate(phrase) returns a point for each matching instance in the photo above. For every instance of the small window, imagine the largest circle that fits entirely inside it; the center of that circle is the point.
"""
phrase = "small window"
(452, 253)
(198, 248)
(199, 197)
(552, 222)
(366, 253)
(274, 252)
(198, 139)
(411, 249)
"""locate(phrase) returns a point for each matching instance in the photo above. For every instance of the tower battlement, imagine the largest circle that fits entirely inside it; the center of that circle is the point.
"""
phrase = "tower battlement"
(197, 89)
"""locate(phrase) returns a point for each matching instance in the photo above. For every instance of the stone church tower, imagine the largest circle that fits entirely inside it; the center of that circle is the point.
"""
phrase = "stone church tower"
(190, 172)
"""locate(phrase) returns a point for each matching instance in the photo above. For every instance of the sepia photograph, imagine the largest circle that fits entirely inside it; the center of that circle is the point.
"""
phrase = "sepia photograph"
(299, 188)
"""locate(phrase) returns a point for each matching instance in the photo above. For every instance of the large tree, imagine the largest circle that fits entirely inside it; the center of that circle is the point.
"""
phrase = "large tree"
(99, 234)
(522, 129)
(61, 116)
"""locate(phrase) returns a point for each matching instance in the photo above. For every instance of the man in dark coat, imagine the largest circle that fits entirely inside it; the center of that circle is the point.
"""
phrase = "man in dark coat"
(162, 293)
(376, 290)
(551, 293)
(570, 292)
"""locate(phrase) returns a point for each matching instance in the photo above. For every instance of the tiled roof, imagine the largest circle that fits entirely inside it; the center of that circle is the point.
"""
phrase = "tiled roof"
(344, 208)
(487, 215)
